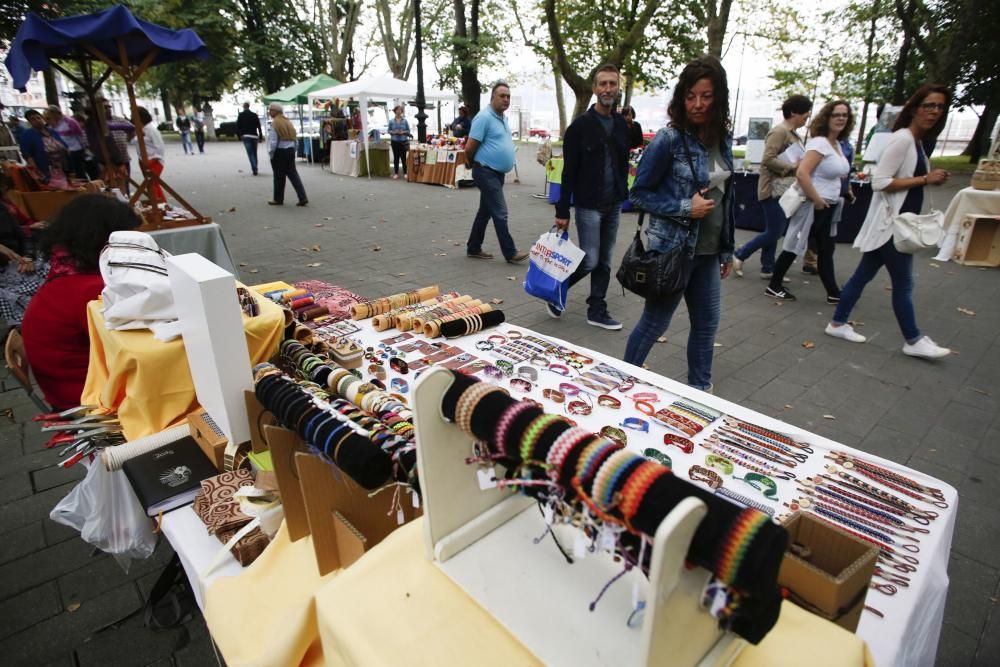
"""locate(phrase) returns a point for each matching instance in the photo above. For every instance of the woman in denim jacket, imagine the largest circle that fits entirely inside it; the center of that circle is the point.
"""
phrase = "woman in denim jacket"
(690, 209)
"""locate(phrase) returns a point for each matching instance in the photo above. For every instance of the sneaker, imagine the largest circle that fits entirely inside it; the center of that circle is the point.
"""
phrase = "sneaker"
(833, 300)
(395, 177)
(926, 348)
(518, 258)
(810, 269)
(845, 331)
(480, 255)
(605, 321)
(738, 267)
(554, 313)
(782, 294)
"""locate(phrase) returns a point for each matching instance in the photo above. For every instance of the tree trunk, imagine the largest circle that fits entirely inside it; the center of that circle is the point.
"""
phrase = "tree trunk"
(629, 88)
(861, 128)
(209, 121)
(899, 82)
(466, 40)
(983, 136)
(51, 90)
(560, 97)
(717, 24)
(167, 109)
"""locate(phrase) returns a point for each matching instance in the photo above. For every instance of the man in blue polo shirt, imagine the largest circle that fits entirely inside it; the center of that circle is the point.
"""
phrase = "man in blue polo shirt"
(490, 150)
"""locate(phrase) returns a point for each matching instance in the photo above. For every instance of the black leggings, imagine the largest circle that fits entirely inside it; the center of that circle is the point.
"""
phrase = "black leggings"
(399, 149)
(825, 245)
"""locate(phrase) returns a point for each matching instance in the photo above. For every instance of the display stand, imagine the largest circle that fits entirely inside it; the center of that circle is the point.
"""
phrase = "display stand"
(483, 540)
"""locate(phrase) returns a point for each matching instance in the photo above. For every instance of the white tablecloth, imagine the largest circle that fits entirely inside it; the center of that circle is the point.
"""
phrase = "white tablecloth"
(197, 549)
(967, 201)
(206, 240)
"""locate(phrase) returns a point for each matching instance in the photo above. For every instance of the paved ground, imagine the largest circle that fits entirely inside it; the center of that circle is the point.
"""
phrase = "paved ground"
(377, 237)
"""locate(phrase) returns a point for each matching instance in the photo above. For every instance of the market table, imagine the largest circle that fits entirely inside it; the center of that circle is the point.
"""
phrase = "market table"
(967, 201)
(448, 168)
(206, 240)
(908, 633)
(148, 382)
(196, 549)
(309, 146)
(347, 158)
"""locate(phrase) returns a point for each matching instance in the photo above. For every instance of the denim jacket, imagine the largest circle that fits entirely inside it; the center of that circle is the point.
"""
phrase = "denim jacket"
(664, 186)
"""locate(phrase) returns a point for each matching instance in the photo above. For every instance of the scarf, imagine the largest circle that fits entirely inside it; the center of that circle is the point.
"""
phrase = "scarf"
(63, 264)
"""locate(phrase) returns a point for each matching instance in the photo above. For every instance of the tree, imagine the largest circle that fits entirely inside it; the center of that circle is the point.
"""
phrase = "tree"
(941, 32)
(338, 21)
(398, 40)
(276, 45)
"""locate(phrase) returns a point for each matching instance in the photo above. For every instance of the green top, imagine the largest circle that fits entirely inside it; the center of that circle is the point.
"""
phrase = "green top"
(710, 227)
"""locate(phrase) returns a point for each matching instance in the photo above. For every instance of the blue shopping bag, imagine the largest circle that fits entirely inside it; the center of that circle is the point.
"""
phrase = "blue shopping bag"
(553, 260)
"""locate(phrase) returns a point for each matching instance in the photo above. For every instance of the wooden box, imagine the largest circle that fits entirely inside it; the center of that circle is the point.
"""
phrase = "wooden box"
(979, 241)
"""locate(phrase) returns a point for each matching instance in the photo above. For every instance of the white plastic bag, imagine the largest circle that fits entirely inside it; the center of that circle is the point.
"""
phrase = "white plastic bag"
(554, 258)
(104, 509)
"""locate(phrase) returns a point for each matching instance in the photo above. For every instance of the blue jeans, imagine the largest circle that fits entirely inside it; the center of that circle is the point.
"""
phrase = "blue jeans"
(597, 231)
(775, 224)
(703, 297)
(251, 146)
(491, 205)
(900, 268)
(186, 142)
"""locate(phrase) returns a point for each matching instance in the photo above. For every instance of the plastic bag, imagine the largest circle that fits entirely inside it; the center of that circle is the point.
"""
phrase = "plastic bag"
(104, 509)
(554, 258)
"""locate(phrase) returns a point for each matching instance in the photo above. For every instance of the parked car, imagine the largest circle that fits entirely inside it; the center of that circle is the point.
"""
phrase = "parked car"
(227, 129)
(539, 132)
(166, 126)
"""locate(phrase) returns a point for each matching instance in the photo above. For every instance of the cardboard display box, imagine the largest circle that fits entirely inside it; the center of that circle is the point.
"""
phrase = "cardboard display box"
(209, 437)
(979, 241)
(827, 569)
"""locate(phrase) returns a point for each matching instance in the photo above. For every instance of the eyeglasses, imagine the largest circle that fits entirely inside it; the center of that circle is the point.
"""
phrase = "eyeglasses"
(932, 106)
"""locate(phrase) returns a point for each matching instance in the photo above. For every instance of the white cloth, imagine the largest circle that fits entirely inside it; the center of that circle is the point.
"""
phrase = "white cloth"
(966, 202)
(898, 160)
(206, 240)
(137, 293)
(797, 235)
(155, 148)
(832, 168)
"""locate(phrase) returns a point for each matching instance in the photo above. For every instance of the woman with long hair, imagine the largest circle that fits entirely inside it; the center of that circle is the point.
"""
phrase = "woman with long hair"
(399, 132)
(55, 323)
(902, 173)
(281, 147)
(685, 183)
(820, 175)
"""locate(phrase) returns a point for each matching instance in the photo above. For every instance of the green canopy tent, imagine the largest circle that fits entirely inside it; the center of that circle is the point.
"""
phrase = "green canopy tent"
(298, 93)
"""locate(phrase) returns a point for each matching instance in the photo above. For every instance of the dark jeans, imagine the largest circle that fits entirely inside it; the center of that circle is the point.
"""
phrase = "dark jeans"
(251, 146)
(399, 149)
(900, 268)
(703, 297)
(78, 163)
(597, 231)
(283, 165)
(825, 245)
(491, 205)
(775, 224)
(200, 138)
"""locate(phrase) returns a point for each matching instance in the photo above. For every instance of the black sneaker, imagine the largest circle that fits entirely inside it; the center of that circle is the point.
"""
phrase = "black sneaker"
(604, 321)
(833, 300)
(809, 269)
(554, 313)
(782, 294)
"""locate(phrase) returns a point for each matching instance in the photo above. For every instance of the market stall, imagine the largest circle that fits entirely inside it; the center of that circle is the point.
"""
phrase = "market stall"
(358, 158)
(433, 165)
(968, 201)
(298, 94)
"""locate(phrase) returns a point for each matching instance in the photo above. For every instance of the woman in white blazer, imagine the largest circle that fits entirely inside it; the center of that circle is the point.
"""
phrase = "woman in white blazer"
(898, 182)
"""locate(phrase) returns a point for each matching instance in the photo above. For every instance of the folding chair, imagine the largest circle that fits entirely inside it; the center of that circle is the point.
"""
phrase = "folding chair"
(17, 362)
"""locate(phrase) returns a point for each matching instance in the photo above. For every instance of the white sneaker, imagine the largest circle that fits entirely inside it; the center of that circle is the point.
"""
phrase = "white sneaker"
(738, 267)
(845, 331)
(926, 348)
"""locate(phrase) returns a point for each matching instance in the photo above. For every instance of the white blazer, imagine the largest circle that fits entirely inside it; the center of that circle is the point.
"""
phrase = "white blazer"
(898, 160)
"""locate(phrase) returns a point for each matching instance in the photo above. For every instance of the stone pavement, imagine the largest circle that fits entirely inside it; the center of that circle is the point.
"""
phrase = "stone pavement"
(381, 236)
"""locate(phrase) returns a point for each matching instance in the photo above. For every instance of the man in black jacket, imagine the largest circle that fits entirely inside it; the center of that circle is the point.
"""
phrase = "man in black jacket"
(595, 177)
(248, 127)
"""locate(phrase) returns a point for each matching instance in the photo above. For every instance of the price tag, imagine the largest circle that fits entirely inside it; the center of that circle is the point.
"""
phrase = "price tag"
(580, 545)
(606, 540)
(416, 500)
(548, 514)
(399, 516)
(487, 478)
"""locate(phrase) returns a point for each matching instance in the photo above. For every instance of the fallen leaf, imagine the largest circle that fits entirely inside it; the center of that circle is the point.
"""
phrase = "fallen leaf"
(72, 606)
(661, 339)
(496, 302)
(440, 254)
(718, 345)
(243, 263)
(828, 417)
(808, 344)
(400, 275)
(328, 218)
(936, 266)
(966, 311)
(511, 277)
(302, 249)
(887, 289)
(254, 271)
(856, 323)
(376, 248)
(318, 224)
(771, 332)
(980, 391)
(314, 264)
(456, 243)
(232, 209)
(787, 406)
(646, 366)
(316, 248)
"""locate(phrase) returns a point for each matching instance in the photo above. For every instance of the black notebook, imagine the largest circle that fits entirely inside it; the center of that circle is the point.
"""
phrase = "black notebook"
(169, 477)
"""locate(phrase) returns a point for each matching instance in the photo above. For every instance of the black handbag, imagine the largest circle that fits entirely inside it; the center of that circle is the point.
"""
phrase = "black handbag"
(657, 275)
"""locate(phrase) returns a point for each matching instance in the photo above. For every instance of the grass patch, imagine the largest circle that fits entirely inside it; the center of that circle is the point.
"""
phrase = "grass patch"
(956, 164)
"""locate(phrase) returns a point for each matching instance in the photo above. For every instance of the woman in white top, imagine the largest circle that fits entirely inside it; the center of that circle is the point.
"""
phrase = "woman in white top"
(899, 179)
(155, 149)
(819, 174)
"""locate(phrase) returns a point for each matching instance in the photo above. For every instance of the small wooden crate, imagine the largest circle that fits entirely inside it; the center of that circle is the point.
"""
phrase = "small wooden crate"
(979, 241)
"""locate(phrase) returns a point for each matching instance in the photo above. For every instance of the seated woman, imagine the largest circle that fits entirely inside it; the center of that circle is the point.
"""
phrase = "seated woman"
(21, 271)
(55, 323)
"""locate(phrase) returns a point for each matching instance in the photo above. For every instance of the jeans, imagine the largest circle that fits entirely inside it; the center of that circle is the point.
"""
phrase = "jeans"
(900, 268)
(399, 149)
(491, 205)
(597, 231)
(200, 138)
(251, 146)
(703, 296)
(775, 224)
(283, 165)
(186, 142)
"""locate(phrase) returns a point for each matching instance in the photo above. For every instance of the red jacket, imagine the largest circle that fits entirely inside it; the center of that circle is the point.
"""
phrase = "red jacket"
(56, 339)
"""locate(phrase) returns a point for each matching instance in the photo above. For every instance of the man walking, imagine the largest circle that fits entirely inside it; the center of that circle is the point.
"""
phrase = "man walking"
(490, 150)
(184, 127)
(248, 127)
(595, 177)
(199, 131)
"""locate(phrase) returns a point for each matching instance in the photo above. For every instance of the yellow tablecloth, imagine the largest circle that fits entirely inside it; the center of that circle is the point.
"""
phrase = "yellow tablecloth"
(148, 382)
(393, 607)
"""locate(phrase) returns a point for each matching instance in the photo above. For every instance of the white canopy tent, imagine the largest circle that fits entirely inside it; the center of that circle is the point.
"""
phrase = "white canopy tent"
(379, 87)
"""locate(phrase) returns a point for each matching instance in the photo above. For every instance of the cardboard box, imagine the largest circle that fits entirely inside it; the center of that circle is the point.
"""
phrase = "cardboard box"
(41, 205)
(209, 437)
(979, 241)
(831, 576)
